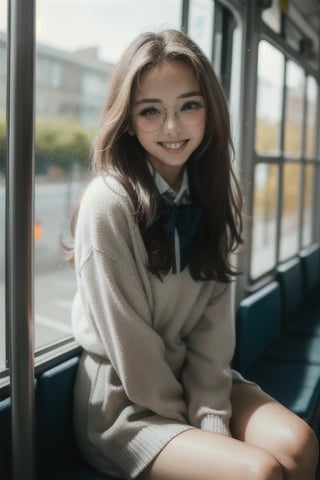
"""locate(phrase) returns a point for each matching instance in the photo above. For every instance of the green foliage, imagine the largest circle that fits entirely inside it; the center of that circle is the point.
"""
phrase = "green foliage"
(60, 142)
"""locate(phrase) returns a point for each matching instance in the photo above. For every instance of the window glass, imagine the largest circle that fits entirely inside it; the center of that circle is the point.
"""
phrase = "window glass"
(72, 75)
(307, 205)
(311, 115)
(293, 110)
(290, 210)
(200, 26)
(269, 99)
(3, 82)
(264, 219)
(272, 17)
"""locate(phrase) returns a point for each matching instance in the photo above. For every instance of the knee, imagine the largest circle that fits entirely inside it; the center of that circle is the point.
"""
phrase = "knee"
(302, 450)
(265, 467)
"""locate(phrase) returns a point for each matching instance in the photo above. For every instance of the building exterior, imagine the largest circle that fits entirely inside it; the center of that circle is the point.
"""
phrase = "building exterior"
(67, 83)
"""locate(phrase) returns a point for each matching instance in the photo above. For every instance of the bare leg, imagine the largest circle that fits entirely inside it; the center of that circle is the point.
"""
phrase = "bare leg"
(270, 443)
(199, 455)
(261, 421)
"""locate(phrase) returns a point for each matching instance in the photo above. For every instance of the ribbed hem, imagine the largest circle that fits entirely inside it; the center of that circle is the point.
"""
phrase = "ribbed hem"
(147, 444)
(214, 423)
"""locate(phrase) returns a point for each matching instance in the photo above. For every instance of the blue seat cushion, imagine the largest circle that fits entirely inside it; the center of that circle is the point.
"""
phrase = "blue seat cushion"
(258, 323)
(58, 457)
(54, 416)
(294, 385)
(310, 263)
(76, 471)
(304, 321)
(295, 348)
(289, 276)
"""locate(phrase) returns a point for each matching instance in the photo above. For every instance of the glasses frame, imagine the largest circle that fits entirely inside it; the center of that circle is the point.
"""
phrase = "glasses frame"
(164, 115)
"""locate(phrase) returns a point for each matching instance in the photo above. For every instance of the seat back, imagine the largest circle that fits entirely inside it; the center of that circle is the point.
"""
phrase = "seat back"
(258, 322)
(55, 443)
(310, 264)
(289, 276)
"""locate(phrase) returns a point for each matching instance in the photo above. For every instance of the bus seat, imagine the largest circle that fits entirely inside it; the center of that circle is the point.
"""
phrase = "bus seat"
(310, 264)
(290, 280)
(299, 316)
(283, 365)
(295, 385)
(258, 322)
(290, 347)
(57, 454)
(5, 438)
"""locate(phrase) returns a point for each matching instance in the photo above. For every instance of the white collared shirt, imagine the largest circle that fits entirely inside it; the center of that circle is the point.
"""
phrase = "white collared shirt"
(181, 197)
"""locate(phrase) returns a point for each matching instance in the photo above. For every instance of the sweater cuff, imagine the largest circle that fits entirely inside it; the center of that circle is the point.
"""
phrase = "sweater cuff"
(216, 424)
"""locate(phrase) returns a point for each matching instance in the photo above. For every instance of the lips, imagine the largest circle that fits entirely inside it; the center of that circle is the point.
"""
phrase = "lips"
(175, 147)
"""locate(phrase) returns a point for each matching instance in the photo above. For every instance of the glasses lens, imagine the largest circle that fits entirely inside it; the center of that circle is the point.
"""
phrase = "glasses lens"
(192, 116)
(149, 123)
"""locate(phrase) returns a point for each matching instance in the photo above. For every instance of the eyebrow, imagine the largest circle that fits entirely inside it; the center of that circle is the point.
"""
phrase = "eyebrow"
(158, 100)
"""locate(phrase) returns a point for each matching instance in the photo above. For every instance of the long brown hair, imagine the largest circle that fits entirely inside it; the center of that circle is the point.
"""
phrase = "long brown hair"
(213, 185)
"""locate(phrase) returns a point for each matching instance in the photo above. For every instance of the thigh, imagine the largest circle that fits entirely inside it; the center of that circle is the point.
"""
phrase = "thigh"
(257, 417)
(259, 420)
(197, 454)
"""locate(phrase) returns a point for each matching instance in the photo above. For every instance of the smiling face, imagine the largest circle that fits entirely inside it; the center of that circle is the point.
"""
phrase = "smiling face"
(168, 117)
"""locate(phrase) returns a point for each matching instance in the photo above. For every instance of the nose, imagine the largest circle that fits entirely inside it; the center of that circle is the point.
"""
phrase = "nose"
(171, 123)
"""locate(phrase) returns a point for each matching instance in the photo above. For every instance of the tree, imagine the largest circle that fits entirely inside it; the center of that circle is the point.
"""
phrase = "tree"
(61, 142)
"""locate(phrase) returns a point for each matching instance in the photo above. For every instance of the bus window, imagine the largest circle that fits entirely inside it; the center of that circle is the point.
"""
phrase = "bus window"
(269, 99)
(311, 116)
(289, 239)
(72, 75)
(293, 110)
(3, 83)
(307, 205)
(264, 219)
(200, 26)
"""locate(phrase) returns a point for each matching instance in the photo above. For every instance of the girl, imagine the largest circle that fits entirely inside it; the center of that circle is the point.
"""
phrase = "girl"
(155, 396)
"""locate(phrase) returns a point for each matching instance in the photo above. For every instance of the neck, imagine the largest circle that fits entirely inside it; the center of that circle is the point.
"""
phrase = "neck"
(175, 183)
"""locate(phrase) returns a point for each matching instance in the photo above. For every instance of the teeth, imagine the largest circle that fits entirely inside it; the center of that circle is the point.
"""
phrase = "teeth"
(173, 146)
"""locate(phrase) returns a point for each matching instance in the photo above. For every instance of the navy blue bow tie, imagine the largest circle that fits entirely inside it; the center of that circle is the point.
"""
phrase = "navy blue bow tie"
(184, 218)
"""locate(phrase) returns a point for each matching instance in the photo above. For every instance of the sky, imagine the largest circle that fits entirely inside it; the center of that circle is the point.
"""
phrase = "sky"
(110, 25)
(107, 24)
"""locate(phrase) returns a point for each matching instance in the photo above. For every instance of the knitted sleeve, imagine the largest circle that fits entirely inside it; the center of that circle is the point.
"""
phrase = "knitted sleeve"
(207, 376)
(117, 320)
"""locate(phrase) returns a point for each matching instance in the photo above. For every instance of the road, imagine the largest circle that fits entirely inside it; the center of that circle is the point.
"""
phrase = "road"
(54, 284)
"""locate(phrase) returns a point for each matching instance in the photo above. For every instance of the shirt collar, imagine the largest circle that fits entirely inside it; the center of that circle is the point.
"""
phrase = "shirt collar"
(166, 190)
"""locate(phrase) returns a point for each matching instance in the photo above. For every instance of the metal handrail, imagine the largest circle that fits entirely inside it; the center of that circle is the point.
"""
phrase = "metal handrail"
(19, 233)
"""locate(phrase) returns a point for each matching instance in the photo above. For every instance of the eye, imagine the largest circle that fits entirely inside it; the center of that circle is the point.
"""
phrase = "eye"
(149, 113)
(189, 106)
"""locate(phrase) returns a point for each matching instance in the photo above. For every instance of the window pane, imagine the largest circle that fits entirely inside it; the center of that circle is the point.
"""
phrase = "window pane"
(294, 110)
(290, 211)
(269, 99)
(311, 114)
(200, 27)
(72, 75)
(3, 81)
(307, 205)
(264, 219)
(109, 25)
(272, 17)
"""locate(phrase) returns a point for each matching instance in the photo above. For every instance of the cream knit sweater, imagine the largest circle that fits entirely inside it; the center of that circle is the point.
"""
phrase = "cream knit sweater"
(156, 355)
